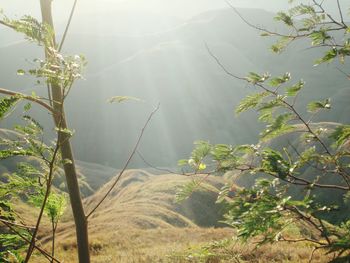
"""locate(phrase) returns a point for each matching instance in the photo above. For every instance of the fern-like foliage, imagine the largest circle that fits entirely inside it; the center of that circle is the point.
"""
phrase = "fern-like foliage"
(297, 168)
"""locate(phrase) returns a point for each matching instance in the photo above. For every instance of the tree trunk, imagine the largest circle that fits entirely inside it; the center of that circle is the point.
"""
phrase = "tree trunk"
(81, 224)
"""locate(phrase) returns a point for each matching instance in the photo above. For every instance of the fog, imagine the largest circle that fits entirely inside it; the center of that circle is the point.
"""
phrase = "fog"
(133, 14)
(180, 8)
(154, 50)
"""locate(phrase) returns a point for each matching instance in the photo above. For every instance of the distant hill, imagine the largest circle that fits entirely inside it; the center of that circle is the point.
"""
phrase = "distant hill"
(140, 222)
(146, 201)
(174, 68)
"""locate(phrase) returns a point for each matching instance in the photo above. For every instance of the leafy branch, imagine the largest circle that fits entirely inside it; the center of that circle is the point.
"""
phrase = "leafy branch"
(292, 181)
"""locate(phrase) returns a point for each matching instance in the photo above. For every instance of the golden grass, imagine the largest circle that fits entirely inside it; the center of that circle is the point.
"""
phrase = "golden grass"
(140, 245)
(177, 245)
(140, 222)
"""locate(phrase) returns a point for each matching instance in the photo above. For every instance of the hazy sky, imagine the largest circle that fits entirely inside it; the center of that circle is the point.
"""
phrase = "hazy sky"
(131, 17)
(182, 9)
(177, 8)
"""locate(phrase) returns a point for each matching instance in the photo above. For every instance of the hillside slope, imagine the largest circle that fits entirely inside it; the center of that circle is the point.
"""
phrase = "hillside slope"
(140, 222)
(143, 200)
(174, 68)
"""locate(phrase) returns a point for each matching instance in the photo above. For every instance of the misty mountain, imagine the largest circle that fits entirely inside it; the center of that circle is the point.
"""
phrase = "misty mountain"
(171, 66)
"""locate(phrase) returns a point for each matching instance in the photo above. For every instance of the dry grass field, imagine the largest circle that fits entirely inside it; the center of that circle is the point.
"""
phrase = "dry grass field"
(141, 222)
(176, 245)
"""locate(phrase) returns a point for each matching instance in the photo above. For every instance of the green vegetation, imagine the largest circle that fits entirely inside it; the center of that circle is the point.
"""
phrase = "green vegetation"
(276, 190)
(300, 167)
(58, 73)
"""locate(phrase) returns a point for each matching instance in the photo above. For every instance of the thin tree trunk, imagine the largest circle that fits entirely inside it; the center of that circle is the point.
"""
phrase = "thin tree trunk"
(53, 227)
(80, 219)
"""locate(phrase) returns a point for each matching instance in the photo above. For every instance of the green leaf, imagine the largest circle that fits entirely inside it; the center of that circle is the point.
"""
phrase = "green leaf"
(306, 156)
(186, 190)
(341, 135)
(120, 99)
(224, 191)
(20, 72)
(319, 37)
(251, 101)
(201, 150)
(270, 105)
(267, 109)
(281, 44)
(66, 161)
(279, 80)
(33, 123)
(245, 148)
(274, 163)
(69, 132)
(285, 18)
(33, 30)
(293, 90)
(6, 105)
(27, 107)
(279, 127)
(4, 154)
(55, 205)
(328, 57)
(221, 151)
(182, 162)
(255, 78)
(315, 106)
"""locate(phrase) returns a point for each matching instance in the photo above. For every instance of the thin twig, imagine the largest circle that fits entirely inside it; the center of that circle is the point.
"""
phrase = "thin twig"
(221, 65)
(17, 225)
(42, 251)
(301, 240)
(49, 94)
(54, 228)
(325, 231)
(127, 162)
(341, 13)
(304, 182)
(312, 254)
(342, 71)
(27, 97)
(152, 166)
(289, 106)
(7, 24)
(47, 193)
(319, 5)
(67, 26)
(252, 25)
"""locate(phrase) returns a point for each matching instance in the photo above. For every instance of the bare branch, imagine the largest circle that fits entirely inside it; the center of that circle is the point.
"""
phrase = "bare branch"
(221, 65)
(16, 224)
(6, 24)
(42, 251)
(152, 166)
(250, 24)
(29, 98)
(127, 162)
(319, 5)
(67, 26)
(301, 240)
(341, 13)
